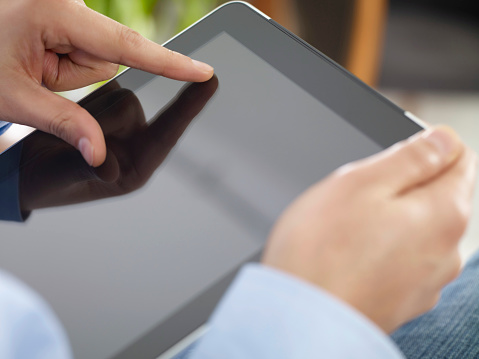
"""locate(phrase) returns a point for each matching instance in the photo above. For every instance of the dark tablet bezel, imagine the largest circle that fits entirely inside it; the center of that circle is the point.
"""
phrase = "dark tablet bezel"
(334, 86)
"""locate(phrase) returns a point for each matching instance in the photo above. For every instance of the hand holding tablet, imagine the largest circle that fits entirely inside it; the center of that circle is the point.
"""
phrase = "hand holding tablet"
(363, 233)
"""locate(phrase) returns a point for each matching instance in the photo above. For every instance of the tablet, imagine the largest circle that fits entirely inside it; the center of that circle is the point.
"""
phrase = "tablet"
(134, 256)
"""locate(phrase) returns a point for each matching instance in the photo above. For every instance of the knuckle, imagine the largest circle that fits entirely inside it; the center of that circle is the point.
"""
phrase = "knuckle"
(348, 172)
(423, 159)
(428, 302)
(167, 61)
(456, 220)
(110, 70)
(130, 38)
(171, 55)
(355, 175)
(417, 213)
(60, 124)
(461, 218)
(345, 175)
(433, 302)
(456, 268)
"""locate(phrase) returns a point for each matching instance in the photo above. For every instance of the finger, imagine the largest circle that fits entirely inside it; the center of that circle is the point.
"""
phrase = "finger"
(460, 178)
(450, 268)
(411, 162)
(451, 196)
(42, 109)
(75, 70)
(113, 42)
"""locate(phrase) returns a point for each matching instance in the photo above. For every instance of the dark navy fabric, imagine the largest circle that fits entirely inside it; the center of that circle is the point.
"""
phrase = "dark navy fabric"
(4, 126)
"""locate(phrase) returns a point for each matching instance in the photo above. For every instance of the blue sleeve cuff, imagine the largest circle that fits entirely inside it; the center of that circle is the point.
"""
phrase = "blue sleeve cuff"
(269, 314)
(9, 185)
(4, 126)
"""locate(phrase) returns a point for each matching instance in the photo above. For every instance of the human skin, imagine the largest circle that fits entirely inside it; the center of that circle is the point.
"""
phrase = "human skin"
(59, 45)
(382, 234)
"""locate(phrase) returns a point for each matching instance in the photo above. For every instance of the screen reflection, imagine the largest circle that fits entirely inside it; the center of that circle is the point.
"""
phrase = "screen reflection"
(52, 173)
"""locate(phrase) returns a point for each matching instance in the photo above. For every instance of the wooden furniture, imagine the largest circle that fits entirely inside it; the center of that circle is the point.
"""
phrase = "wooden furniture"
(367, 36)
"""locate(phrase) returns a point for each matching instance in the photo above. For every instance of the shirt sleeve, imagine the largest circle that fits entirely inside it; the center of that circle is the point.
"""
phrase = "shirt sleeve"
(4, 126)
(9, 185)
(28, 328)
(268, 314)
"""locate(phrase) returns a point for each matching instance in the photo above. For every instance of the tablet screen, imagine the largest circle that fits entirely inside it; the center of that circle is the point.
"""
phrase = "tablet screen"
(195, 177)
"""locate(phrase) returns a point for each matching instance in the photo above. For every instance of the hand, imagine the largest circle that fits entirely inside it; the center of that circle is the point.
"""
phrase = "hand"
(382, 234)
(62, 45)
(135, 148)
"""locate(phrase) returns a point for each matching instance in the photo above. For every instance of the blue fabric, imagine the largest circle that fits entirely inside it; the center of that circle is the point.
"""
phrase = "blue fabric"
(28, 328)
(9, 182)
(451, 329)
(268, 314)
(4, 126)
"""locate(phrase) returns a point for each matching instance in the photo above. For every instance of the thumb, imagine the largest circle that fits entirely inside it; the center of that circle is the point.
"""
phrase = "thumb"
(38, 107)
(416, 160)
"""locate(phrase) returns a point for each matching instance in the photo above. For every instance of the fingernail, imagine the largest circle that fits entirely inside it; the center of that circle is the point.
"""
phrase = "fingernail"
(444, 140)
(202, 66)
(86, 149)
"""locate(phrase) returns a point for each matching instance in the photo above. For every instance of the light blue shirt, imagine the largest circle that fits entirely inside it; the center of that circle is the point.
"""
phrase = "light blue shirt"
(28, 328)
(265, 314)
(269, 314)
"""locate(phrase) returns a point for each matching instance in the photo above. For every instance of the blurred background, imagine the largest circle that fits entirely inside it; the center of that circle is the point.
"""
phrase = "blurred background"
(408, 44)
(421, 54)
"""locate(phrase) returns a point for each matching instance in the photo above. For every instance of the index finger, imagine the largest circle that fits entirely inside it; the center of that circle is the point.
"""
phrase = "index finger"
(97, 34)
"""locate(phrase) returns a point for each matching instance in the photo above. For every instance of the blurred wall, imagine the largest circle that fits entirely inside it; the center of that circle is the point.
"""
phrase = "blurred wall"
(432, 45)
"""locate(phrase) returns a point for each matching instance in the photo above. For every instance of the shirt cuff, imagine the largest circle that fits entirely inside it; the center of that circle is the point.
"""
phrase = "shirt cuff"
(4, 126)
(9, 185)
(269, 314)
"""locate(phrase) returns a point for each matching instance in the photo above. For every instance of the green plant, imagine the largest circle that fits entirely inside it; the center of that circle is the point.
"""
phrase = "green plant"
(155, 19)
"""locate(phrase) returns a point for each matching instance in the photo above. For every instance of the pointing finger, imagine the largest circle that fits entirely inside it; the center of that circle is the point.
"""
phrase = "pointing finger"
(113, 42)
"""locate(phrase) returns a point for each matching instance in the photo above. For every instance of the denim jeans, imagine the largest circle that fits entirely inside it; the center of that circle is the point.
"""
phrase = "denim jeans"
(449, 331)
